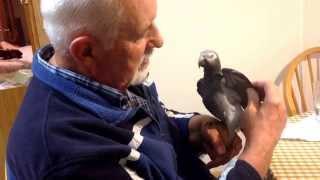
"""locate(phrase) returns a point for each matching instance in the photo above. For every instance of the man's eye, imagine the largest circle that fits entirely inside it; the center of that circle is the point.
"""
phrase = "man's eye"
(144, 34)
(148, 30)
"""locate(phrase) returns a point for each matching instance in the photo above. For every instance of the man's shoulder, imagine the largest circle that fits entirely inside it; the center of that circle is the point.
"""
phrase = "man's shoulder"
(57, 129)
(45, 103)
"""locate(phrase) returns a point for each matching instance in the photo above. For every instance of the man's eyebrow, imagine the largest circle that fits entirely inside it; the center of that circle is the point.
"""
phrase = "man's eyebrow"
(147, 27)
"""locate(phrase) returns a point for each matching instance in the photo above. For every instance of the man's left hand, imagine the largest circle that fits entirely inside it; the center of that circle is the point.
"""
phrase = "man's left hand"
(210, 136)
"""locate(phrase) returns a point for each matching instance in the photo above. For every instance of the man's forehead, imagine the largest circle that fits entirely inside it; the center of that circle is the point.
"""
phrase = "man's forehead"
(141, 9)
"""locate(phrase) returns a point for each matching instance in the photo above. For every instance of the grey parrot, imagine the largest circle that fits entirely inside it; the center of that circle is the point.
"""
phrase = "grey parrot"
(223, 91)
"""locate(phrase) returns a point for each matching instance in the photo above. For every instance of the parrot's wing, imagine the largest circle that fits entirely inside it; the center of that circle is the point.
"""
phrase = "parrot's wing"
(232, 95)
(208, 92)
(226, 106)
(238, 82)
(201, 87)
(230, 101)
(215, 104)
(235, 78)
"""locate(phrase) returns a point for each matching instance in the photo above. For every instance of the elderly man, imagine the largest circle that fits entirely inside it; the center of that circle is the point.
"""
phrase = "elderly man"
(90, 113)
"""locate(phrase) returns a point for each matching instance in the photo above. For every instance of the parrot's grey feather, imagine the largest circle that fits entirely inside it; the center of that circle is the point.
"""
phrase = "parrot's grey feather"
(237, 81)
(223, 91)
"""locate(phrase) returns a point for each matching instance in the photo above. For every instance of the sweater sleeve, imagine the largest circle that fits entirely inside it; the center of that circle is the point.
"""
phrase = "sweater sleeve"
(181, 120)
(86, 170)
(238, 170)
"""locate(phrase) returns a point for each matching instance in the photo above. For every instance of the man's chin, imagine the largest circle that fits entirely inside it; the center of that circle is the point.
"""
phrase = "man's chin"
(139, 78)
(142, 74)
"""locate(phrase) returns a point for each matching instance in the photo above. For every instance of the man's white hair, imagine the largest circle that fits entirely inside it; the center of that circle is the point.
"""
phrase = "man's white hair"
(65, 19)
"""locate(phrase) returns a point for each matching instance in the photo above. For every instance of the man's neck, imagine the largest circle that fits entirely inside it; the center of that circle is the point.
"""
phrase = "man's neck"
(60, 62)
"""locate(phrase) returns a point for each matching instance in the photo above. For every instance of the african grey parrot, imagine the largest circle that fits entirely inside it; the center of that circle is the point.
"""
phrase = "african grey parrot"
(223, 91)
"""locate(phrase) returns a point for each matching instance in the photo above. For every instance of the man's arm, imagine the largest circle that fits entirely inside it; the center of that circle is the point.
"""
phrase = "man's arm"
(89, 169)
(262, 125)
(8, 66)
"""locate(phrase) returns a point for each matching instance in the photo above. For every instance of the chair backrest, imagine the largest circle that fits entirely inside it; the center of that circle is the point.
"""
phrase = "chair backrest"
(303, 71)
(10, 100)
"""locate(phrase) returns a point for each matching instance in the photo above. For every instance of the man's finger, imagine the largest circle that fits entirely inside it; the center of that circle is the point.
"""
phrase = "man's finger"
(253, 99)
(271, 91)
(236, 148)
(6, 45)
(210, 152)
(10, 66)
(232, 151)
(215, 141)
(217, 162)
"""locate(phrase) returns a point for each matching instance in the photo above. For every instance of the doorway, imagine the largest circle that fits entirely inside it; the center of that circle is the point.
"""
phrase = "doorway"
(13, 24)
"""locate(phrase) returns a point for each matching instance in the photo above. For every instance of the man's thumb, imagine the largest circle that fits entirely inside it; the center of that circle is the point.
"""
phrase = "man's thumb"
(253, 98)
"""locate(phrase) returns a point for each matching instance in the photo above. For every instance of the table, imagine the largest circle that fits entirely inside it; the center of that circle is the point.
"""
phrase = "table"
(293, 159)
(10, 100)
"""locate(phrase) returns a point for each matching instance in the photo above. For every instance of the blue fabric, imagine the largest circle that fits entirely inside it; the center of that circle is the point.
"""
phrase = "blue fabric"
(10, 175)
(243, 171)
(82, 96)
(64, 125)
(69, 130)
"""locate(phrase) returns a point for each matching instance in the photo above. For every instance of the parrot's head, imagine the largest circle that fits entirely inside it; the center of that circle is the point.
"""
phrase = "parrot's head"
(210, 61)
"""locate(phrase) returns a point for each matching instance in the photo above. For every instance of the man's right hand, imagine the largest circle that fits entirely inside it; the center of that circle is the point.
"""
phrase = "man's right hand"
(262, 125)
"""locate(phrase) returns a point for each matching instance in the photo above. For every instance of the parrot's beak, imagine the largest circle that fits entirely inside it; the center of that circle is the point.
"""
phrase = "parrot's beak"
(201, 62)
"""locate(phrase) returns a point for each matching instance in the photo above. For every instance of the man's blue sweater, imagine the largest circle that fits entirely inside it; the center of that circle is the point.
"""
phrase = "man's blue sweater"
(66, 130)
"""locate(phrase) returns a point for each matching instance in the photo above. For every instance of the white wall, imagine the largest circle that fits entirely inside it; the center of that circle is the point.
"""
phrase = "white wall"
(311, 25)
(256, 37)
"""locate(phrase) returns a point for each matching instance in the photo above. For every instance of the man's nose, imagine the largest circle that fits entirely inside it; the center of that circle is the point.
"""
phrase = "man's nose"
(157, 40)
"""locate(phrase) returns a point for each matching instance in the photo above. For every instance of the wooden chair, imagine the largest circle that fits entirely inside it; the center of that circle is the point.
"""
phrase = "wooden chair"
(10, 100)
(299, 80)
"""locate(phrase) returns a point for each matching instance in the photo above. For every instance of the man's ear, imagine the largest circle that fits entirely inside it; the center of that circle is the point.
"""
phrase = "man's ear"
(81, 49)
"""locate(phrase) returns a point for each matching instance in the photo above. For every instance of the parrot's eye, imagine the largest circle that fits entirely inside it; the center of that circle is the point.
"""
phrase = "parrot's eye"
(210, 55)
